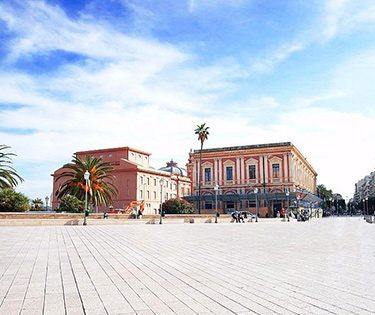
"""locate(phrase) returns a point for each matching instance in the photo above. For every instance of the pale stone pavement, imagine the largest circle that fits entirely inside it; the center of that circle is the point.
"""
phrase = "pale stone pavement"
(325, 266)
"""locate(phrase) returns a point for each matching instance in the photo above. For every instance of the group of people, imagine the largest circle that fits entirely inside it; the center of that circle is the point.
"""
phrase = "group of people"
(239, 216)
(137, 214)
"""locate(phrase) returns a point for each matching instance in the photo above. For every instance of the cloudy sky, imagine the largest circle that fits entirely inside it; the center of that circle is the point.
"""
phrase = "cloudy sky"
(78, 75)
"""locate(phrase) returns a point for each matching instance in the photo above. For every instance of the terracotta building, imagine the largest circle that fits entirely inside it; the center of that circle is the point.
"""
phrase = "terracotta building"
(263, 178)
(135, 179)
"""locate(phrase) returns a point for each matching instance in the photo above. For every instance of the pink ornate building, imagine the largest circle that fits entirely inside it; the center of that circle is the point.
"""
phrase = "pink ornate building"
(135, 179)
(273, 175)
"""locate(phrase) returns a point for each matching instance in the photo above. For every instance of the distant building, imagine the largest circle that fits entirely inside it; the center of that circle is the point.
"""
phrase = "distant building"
(275, 175)
(135, 179)
(364, 194)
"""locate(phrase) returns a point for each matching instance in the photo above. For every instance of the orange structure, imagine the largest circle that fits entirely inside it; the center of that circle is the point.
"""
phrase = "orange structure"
(133, 204)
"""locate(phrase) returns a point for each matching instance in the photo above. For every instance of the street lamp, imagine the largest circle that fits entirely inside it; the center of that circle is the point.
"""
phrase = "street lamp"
(161, 201)
(256, 204)
(330, 205)
(216, 188)
(366, 206)
(86, 177)
(46, 202)
(287, 198)
(298, 213)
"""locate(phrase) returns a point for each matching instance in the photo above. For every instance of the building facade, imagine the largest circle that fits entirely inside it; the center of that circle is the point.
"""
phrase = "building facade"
(364, 194)
(135, 179)
(266, 176)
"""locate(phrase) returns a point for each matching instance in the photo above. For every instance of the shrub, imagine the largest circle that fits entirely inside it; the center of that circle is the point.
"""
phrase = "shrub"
(12, 201)
(177, 206)
(70, 203)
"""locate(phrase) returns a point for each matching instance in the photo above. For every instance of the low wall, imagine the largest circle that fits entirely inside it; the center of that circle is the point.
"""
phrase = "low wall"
(52, 218)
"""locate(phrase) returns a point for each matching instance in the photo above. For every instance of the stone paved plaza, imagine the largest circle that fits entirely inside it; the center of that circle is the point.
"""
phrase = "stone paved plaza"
(325, 266)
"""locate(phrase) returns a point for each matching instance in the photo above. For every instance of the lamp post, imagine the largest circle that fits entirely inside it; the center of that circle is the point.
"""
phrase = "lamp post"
(161, 200)
(86, 177)
(46, 202)
(330, 205)
(287, 198)
(216, 188)
(366, 206)
(297, 197)
(256, 204)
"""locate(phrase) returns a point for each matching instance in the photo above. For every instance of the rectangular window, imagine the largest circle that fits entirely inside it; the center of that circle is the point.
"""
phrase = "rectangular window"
(154, 195)
(208, 205)
(154, 181)
(275, 170)
(207, 174)
(229, 172)
(148, 180)
(148, 194)
(252, 172)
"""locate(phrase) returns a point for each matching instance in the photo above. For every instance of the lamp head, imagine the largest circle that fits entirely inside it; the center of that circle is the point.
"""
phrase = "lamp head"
(86, 175)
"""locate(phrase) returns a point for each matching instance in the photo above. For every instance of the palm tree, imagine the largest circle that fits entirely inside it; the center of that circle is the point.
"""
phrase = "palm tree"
(9, 177)
(202, 132)
(101, 188)
(37, 204)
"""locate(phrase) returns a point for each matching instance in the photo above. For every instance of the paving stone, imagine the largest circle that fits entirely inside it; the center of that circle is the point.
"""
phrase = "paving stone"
(325, 266)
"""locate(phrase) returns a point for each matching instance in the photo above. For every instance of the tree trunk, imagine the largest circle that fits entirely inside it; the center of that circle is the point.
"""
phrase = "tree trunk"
(199, 179)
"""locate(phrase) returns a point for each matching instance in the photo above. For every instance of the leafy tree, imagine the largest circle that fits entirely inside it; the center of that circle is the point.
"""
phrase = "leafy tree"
(325, 194)
(12, 201)
(9, 177)
(70, 203)
(36, 204)
(202, 132)
(177, 206)
(100, 189)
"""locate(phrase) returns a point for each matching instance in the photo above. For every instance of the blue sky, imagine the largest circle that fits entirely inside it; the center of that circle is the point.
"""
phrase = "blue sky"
(78, 75)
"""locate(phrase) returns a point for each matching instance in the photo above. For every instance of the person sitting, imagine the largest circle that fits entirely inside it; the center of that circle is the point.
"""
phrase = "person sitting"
(240, 218)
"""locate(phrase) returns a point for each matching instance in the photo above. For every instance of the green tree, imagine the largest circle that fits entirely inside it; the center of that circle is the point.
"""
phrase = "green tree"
(100, 189)
(9, 177)
(70, 203)
(202, 132)
(177, 206)
(12, 201)
(325, 194)
(36, 204)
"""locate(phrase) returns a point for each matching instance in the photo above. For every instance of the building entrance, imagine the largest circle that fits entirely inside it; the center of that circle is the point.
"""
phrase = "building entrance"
(277, 206)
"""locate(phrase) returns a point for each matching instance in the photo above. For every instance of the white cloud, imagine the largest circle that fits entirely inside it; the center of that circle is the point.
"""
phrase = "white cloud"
(142, 93)
(342, 16)
(277, 56)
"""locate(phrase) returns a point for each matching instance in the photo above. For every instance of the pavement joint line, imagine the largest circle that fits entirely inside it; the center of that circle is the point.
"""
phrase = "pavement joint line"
(324, 267)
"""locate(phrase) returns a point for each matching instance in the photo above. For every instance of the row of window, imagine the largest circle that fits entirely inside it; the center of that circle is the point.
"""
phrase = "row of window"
(165, 197)
(229, 205)
(252, 172)
(101, 155)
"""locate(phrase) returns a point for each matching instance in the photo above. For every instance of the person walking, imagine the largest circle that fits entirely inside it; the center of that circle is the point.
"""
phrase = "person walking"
(235, 216)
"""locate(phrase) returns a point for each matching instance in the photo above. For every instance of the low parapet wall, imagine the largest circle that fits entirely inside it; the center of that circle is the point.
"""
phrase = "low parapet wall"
(51, 218)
